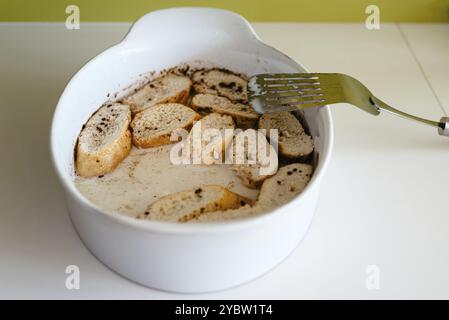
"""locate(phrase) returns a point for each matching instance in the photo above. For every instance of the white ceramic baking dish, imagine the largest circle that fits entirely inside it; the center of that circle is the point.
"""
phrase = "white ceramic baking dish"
(169, 256)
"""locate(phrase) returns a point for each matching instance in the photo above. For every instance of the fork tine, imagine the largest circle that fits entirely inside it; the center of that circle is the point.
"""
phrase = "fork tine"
(293, 106)
(297, 95)
(288, 75)
(311, 105)
(290, 101)
(303, 93)
(293, 99)
(312, 89)
(295, 87)
(272, 82)
(286, 92)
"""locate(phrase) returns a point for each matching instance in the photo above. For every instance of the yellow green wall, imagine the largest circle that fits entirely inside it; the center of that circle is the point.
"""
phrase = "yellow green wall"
(254, 10)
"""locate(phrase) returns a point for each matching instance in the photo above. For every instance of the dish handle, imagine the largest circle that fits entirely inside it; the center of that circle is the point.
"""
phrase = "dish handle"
(187, 21)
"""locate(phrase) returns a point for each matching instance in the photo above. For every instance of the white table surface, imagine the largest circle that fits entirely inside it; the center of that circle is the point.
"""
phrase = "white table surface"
(384, 200)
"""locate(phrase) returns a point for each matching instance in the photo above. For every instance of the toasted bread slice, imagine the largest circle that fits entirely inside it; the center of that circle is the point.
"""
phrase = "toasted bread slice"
(286, 184)
(104, 141)
(190, 204)
(244, 115)
(221, 82)
(245, 211)
(168, 88)
(154, 126)
(208, 138)
(254, 158)
(293, 142)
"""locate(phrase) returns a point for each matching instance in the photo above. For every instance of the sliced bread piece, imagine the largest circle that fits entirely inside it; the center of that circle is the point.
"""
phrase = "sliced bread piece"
(154, 126)
(286, 184)
(168, 88)
(293, 142)
(244, 115)
(209, 138)
(254, 158)
(190, 204)
(221, 82)
(104, 141)
(245, 211)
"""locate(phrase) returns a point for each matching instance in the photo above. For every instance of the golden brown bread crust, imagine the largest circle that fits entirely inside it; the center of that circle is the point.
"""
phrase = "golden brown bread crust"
(99, 161)
(88, 165)
(190, 204)
(245, 211)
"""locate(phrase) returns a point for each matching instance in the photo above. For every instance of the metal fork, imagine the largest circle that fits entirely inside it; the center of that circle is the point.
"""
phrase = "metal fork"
(286, 92)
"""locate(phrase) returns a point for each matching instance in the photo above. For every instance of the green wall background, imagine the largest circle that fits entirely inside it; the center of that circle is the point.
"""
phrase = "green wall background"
(254, 10)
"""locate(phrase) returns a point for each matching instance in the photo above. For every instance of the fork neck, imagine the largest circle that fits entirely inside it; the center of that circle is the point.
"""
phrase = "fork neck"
(385, 107)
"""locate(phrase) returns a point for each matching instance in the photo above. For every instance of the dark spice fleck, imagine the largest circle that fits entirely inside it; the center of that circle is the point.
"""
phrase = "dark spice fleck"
(101, 176)
(204, 109)
(199, 190)
(230, 85)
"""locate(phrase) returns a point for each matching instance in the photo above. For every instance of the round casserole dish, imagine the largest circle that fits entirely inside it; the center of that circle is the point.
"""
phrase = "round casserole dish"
(169, 256)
